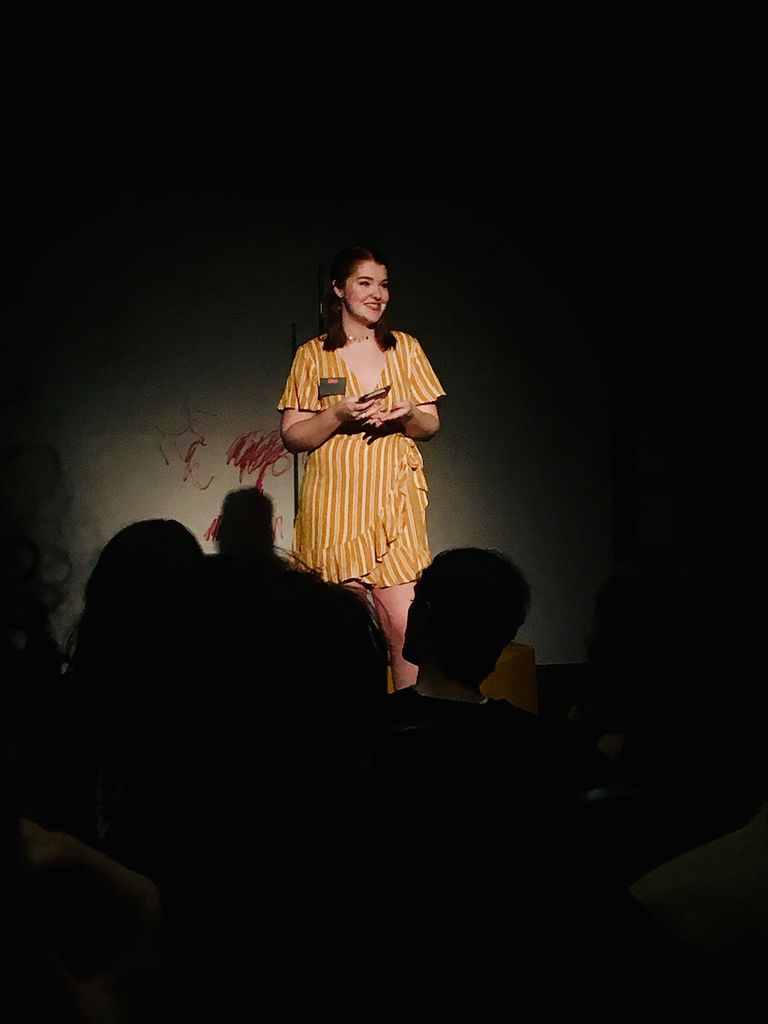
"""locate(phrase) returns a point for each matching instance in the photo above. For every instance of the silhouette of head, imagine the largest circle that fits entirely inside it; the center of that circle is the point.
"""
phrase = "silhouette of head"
(245, 526)
(468, 605)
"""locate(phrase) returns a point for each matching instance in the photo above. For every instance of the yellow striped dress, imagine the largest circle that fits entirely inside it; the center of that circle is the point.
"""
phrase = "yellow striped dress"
(362, 508)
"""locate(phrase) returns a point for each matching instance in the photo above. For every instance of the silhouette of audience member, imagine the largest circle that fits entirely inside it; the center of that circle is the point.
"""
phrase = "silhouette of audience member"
(30, 670)
(469, 789)
(246, 526)
(327, 671)
(252, 824)
(475, 802)
(672, 709)
(231, 711)
(468, 605)
(81, 932)
(129, 662)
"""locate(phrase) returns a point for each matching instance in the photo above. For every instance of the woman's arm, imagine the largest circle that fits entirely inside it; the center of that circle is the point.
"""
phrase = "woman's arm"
(303, 431)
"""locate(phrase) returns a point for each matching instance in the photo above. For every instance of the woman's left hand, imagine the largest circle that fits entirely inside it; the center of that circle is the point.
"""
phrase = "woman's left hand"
(397, 412)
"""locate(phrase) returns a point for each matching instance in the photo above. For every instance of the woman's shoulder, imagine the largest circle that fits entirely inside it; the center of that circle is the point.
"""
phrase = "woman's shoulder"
(309, 353)
(404, 339)
(312, 346)
(407, 346)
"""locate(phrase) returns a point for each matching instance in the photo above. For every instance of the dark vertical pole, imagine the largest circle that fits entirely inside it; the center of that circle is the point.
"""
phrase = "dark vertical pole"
(294, 346)
(320, 297)
(295, 457)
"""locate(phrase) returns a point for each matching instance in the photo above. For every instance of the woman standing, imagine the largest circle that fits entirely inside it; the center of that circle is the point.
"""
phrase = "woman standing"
(362, 510)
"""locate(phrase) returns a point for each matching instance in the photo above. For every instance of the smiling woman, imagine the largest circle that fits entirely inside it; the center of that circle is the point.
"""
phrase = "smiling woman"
(362, 509)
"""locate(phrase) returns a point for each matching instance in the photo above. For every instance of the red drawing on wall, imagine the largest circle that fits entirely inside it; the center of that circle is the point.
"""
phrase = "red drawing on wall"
(256, 453)
(183, 445)
(212, 532)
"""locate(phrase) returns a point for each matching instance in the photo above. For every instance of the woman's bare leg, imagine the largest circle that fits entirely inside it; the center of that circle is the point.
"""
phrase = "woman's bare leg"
(392, 604)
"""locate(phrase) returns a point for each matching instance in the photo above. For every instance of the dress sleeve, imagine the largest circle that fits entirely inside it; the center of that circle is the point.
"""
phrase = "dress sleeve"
(425, 387)
(300, 390)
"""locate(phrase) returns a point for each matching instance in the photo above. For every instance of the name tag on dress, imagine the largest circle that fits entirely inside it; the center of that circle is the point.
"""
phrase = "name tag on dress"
(331, 386)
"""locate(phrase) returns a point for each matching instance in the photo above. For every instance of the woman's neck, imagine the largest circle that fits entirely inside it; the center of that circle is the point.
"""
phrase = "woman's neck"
(357, 333)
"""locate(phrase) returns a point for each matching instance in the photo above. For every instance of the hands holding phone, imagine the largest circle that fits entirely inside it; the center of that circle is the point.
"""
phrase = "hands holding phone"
(367, 408)
(378, 393)
(361, 409)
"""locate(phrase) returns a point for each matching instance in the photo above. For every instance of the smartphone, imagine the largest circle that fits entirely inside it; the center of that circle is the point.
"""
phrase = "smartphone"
(378, 393)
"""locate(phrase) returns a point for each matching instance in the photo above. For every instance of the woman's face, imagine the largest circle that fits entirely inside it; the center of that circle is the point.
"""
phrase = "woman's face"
(365, 293)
